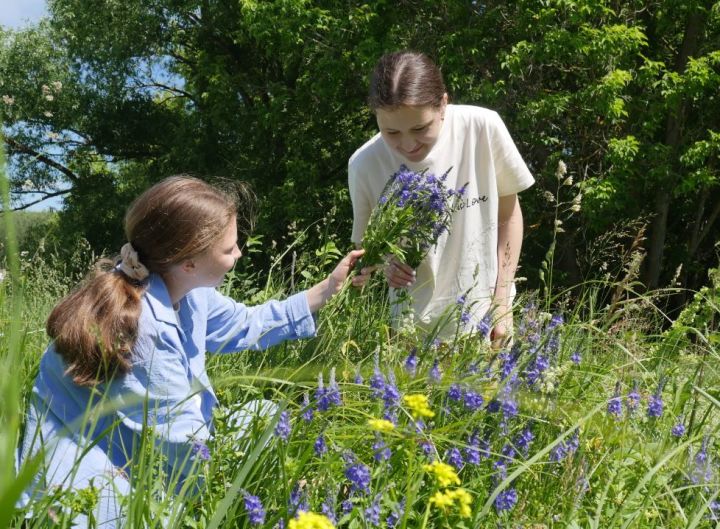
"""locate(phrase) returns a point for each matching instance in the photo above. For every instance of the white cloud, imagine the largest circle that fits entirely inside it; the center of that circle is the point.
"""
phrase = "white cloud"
(21, 13)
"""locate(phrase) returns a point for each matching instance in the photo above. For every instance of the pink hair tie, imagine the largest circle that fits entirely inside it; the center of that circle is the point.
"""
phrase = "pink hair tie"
(130, 265)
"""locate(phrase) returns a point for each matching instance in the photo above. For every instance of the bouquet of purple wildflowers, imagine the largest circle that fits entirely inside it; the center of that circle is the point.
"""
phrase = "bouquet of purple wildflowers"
(414, 210)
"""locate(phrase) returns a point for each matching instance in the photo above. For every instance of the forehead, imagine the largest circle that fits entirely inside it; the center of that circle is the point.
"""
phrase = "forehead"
(405, 117)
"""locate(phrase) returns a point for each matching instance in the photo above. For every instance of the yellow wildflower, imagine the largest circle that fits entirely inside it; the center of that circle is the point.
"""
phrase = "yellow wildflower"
(444, 473)
(381, 425)
(448, 498)
(442, 500)
(418, 405)
(464, 502)
(310, 520)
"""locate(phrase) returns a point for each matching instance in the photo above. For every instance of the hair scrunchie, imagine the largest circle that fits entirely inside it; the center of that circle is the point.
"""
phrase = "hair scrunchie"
(130, 265)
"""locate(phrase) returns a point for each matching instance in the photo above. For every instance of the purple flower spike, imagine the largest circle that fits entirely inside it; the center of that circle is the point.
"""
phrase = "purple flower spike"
(614, 406)
(435, 375)
(255, 510)
(411, 363)
(283, 429)
(359, 477)
(679, 429)
(201, 450)
(505, 501)
(655, 406)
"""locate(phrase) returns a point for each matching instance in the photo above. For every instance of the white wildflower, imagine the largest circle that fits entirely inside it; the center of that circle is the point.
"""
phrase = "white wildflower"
(48, 114)
(549, 196)
(8, 100)
(561, 170)
(577, 199)
(575, 208)
(57, 86)
(568, 181)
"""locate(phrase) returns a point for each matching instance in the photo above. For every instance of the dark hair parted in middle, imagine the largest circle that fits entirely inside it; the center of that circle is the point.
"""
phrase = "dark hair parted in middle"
(405, 78)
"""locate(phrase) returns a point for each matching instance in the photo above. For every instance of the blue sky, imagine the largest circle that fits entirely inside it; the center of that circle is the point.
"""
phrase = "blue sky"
(17, 14)
(20, 13)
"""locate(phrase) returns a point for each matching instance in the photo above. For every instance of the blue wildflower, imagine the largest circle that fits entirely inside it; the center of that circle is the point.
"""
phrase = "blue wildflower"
(201, 450)
(679, 429)
(485, 325)
(381, 452)
(372, 513)
(254, 508)
(328, 509)
(308, 412)
(614, 406)
(283, 429)
(524, 440)
(347, 507)
(505, 501)
(377, 383)
(455, 392)
(455, 458)
(556, 321)
(359, 477)
(703, 470)
(655, 406)
(633, 399)
(395, 515)
(473, 400)
(576, 358)
(298, 501)
(435, 375)
(320, 445)
(428, 448)
(391, 395)
(461, 300)
(411, 363)
(358, 378)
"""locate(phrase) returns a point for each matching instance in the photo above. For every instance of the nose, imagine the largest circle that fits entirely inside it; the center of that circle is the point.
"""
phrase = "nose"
(237, 253)
(407, 143)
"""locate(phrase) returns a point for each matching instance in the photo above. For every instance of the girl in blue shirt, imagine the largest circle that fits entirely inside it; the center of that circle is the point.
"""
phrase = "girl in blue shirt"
(132, 339)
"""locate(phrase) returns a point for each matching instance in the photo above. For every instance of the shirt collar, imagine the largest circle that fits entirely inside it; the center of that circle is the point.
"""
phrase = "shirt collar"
(158, 298)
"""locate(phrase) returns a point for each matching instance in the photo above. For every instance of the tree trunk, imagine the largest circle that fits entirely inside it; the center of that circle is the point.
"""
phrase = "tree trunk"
(673, 130)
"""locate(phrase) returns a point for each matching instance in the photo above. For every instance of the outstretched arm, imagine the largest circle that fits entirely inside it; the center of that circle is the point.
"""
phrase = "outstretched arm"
(510, 234)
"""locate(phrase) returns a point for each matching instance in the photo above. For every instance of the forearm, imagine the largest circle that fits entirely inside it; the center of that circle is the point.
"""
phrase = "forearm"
(510, 235)
(320, 293)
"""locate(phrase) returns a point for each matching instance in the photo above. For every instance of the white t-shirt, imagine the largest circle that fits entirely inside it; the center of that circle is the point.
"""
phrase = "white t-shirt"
(476, 144)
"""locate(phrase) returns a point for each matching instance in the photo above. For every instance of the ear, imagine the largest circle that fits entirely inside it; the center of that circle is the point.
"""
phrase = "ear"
(443, 105)
(188, 266)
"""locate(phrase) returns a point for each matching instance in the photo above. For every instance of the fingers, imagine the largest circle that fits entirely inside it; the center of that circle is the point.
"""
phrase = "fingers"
(500, 337)
(399, 275)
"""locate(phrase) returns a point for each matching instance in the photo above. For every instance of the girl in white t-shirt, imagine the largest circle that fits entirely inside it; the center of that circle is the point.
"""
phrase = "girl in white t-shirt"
(475, 262)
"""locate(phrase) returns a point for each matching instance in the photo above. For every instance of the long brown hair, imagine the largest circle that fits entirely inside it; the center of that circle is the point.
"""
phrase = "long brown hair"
(95, 326)
(405, 78)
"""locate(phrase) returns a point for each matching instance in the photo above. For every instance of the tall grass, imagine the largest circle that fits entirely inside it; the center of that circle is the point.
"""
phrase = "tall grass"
(543, 449)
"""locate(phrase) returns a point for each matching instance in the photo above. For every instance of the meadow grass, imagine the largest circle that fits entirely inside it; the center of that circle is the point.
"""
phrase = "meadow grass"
(603, 413)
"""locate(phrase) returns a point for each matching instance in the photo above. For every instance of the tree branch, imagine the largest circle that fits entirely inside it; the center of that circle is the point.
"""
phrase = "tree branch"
(45, 197)
(42, 158)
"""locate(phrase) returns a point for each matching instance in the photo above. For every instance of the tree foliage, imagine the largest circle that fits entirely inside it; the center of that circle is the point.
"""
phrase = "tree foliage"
(107, 96)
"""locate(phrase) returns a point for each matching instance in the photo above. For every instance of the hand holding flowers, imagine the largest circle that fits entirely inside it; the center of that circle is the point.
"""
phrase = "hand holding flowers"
(414, 210)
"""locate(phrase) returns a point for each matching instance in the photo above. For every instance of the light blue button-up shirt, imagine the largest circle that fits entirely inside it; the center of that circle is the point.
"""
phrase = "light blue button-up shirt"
(167, 386)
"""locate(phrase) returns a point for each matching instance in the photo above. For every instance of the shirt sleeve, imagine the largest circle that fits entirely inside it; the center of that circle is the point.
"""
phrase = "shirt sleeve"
(233, 326)
(362, 205)
(512, 173)
(156, 396)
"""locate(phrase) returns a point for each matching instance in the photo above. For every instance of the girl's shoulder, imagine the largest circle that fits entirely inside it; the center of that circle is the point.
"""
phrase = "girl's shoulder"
(473, 115)
(367, 153)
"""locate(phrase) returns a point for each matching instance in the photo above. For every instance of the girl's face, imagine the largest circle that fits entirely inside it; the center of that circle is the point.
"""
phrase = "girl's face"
(411, 130)
(212, 265)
